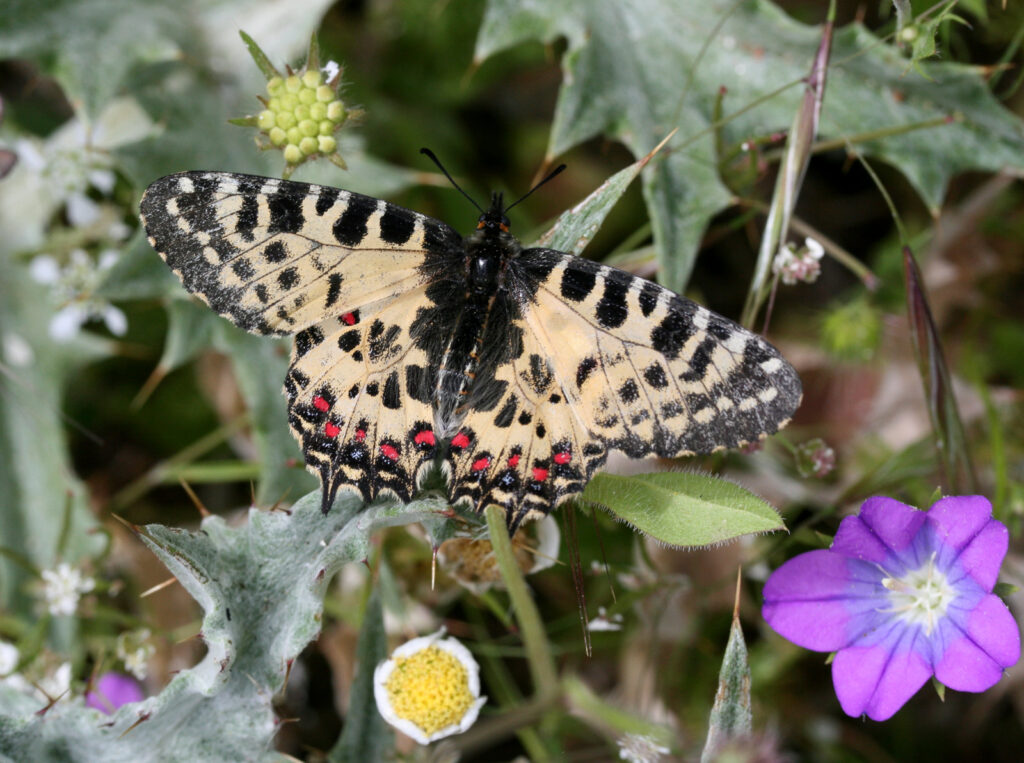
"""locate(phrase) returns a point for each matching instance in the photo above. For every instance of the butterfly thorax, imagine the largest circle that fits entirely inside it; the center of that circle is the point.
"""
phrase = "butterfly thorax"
(488, 251)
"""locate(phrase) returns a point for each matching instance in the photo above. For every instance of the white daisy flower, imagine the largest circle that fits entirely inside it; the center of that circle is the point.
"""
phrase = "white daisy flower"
(429, 688)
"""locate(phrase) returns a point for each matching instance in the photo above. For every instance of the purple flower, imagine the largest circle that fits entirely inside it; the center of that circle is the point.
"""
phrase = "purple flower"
(900, 596)
(113, 690)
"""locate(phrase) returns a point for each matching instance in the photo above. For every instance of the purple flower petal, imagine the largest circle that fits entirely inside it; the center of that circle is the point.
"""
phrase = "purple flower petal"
(856, 540)
(113, 690)
(975, 661)
(895, 523)
(958, 518)
(871, 680)
(983, 555)
(818, 599)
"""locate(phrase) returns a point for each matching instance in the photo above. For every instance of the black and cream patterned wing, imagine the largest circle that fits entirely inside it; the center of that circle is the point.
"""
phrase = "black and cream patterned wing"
(611, 361)
(275, 256)
(362, 419)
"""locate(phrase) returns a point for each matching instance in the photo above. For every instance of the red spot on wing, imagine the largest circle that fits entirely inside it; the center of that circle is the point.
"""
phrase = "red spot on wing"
(389, 451)
(540, 473)
(481, 463)
(513, 460)
(562, 458)
(460, 440)
(350, 319)
(320, 404)
(360, 434)
(331, 429)
(426, 437)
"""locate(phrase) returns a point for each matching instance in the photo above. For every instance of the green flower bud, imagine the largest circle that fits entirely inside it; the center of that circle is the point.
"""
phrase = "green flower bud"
(309, 127)
(265, 120)
(292, 154)
(274, 104)
(324, 94)
(278, 136)
(294, 135)
(293, 84)
(308, 146)
(274, 85)
(301, 112)
(312, 79)
(289, 101)
(336, 111)
(286, 119)
(326, 127)
(327, 144)
(307, 96)
(318, 111)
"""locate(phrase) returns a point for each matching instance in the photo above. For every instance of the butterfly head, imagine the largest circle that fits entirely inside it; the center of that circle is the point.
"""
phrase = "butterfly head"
(494, 221)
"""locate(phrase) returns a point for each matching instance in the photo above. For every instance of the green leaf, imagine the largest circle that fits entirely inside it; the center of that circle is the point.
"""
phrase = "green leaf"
(731, 717)
(575, 227)
(683, 508)
(366, 735)
(261, 586)
(633, 71)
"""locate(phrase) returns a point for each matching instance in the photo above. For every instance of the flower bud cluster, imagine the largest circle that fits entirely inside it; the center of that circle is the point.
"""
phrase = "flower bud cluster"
(301, 116)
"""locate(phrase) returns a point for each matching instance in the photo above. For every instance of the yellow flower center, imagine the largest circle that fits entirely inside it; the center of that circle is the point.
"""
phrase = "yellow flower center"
(429, 688)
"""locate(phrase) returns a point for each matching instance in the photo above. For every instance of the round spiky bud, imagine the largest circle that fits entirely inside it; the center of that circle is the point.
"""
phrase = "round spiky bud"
(303, 109)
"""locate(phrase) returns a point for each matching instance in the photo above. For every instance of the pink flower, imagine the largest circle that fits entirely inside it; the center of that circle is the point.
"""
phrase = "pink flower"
(113, 690)
(900, 596)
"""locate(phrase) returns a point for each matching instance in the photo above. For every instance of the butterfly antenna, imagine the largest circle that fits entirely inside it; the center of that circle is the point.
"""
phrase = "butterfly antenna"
(430, 154)
(557, 170)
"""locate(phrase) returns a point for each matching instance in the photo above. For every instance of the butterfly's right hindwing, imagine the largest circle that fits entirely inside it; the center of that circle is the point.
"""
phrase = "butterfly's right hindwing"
(276, 257)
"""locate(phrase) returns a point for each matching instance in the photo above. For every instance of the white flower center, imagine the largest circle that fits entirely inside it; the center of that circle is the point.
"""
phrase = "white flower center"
(921, 596)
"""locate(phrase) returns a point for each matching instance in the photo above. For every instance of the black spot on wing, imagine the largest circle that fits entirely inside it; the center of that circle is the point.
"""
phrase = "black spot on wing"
(326, 198)
(392, 397)
(275, 252)
(285, 211)
(350, 227)
(396, 225)
(349, 340)
(700, 360)
(507, 413)
(307, 339)
(612, 311)
(333, 288)
(654, 375)
(248, 215)
(243, 269)
(629, 392)
(288, 278)
(669, 336)
(649, 297)
(261, 293)
(585, 368)
(578, 279)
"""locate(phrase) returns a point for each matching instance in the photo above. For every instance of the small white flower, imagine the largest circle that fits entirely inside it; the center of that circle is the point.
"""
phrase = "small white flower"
(135, 650)
(74, 285)
(429, 688)
(803, 265)
(605, 623)
(16, 351)
(57, 684)
(8, 658)
(63, 587)
(637, 748)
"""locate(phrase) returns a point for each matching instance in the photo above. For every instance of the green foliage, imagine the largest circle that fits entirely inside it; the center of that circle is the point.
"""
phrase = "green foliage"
(681, 508)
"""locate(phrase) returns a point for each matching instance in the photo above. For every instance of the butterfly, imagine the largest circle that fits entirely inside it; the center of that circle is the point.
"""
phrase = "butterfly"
(514, 370)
